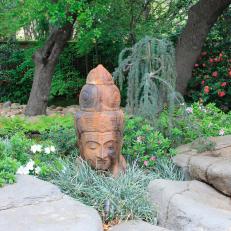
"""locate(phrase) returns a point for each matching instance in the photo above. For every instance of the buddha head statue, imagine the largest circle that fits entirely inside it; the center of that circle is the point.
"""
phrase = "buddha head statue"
(100, 121)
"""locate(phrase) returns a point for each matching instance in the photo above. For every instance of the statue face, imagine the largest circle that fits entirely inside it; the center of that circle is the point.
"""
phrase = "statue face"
(100, 149)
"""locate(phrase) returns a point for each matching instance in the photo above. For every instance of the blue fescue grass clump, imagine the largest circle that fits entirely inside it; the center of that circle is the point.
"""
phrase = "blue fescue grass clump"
(126, 196)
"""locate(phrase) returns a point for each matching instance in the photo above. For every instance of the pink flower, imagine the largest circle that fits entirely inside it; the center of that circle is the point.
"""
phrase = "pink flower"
(215, 74)
(204, 53)
(206, 89)
(220, 54)
(153, 158)
(202, 82)
(196, 65)
(145, 163)
(223, 84)
(229, 73)
(203, 65)
(221, 93)
(211, 60)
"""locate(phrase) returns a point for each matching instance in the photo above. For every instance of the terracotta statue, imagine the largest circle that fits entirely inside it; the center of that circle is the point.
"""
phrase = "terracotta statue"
(100, 122)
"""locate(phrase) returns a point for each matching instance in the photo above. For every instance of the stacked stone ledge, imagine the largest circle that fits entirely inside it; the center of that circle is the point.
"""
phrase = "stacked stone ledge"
(202, 203)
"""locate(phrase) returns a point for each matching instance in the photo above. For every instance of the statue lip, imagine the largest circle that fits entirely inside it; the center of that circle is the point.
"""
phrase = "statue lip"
(102, 160)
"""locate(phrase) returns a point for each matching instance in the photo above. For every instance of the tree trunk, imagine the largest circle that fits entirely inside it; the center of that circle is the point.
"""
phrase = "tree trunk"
(201, 18)
(45, 60)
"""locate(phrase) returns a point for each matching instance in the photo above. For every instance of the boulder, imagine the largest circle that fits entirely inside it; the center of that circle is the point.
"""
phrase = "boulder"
(190, 206)
(35, 205)
(27, 191)
(136, 225)
(15, 106)
(212, 167)
(6, 105)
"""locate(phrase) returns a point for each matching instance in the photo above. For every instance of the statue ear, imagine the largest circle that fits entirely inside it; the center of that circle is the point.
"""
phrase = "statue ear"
(80, 145)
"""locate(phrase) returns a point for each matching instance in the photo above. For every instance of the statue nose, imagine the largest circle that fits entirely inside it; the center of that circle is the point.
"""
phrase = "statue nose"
(104, 154)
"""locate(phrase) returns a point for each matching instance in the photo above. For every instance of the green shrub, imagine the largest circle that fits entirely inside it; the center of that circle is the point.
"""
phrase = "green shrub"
(142, 143)
(9, 126)
(201, 121)
(211, 81)
(17, 71)
(16, 147)
(67, 80)
(63, 138)
(8, 168)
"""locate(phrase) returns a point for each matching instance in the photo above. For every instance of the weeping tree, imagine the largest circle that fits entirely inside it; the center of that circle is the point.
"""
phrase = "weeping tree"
(148, 72)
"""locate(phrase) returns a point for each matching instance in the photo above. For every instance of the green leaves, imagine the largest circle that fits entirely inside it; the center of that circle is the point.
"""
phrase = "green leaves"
(8, 168)
(143, 144)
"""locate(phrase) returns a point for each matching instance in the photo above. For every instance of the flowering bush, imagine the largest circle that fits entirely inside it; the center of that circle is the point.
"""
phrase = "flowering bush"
(211, 80)
(143, 144)
(190, 123)
(44, 161)
(19, 155)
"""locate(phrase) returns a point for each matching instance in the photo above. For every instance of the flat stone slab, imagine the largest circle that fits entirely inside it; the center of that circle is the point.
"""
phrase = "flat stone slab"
(212, 167)
(36, 205)
(28, 191)
(190, 206)
(136, 226)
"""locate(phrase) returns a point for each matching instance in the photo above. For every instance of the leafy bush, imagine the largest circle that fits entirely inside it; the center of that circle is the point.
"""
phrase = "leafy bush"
(17, 70)
(200, 121)
(63, 138)
(16, 147)
(8, 168)
(67, 80)
(142, 143)
(211, 80)
(9, 126)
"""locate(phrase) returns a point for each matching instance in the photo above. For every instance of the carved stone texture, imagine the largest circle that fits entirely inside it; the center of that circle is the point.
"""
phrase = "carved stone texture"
(99, 122)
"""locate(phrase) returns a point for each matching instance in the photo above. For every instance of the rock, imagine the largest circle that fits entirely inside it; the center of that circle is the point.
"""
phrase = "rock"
(70, 110)
(35, 205)
(136, 226)
(212, 167)
(190, 206)
(15, 106)
(59, 109)
(27, 191)
(6, 104)
(52, 107)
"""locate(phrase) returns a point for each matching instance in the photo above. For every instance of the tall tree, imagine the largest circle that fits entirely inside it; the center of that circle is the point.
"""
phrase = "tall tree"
(45, 60)
(201, 18)
(61, 17)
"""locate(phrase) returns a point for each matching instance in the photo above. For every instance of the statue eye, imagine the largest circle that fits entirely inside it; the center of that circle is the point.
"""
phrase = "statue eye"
(92, 145)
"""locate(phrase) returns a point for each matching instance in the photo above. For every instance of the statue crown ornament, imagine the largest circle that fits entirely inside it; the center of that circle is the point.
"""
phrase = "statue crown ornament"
(99, 123)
